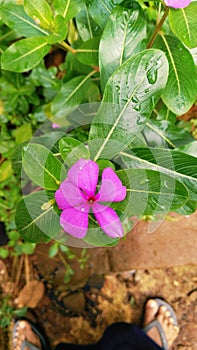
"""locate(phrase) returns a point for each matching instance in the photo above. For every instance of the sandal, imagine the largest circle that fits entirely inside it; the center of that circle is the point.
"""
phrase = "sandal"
(25, 343)
(157, 324)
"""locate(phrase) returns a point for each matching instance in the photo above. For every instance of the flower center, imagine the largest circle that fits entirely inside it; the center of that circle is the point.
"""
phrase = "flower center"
(91, 199)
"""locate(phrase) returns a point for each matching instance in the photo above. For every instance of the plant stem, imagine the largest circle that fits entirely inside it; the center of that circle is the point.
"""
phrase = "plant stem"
(67, 47)
(27, 270)
(157, 28)
(63, 260)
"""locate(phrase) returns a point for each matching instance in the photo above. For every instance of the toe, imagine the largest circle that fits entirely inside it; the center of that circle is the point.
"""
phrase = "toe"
(151, 310)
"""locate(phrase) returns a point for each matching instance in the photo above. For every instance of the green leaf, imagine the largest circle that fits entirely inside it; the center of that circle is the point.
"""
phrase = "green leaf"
(180, 166)
(5, 170)
(104, 163)
(161, 134)
(129, 96)
(24, 54)
(28, 248)
(183, 23)
(101, 9)
(180, 91)
(123, 36)
(70, 95)
(72, 150)
(187, 209)
(23, 133)
(87, 53)
(150, 192)
(16, 18)
(40, 11)
(4, 253)
(60, 30)
(53, 250)
(67, 8)
(86, 26)
(35, 224)
(189, 148)
(42, 167)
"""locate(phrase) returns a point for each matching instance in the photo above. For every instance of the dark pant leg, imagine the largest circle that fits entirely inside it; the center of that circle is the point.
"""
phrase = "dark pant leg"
(118, 336)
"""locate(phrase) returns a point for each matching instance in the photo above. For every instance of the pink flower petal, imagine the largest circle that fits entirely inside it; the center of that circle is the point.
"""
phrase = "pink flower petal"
(61, 200)
(177, 4)
(108, 220)
(74, 222)
(72, 195)
(84, 174)
(111, 189)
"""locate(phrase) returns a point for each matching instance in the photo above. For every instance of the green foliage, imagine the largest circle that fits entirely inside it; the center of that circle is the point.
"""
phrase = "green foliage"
(138, 66)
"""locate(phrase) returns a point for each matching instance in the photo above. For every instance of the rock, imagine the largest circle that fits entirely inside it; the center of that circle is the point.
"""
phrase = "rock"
(75, 302)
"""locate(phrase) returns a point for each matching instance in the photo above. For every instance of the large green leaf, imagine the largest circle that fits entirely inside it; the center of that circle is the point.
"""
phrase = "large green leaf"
(161, 134)
(123, 36)
(183, 23)
(24, 54)
(86, 26)
(67, 8)
(189, 148)
(36, 219)
(101, 9)
(150, 192)
(39, 10)
(130, 95)
(42, 167)
(180, 166)
(180, 91)
(71, 95)
(16, 18)
(87, 53)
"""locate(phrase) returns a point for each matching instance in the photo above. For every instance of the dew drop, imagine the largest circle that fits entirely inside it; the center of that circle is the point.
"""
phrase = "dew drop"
(165, 184)
(143, 181)
(159, 63)
(180, 102)
(152, 75)
(146, 91)
(137, 107)
(82, 209)
(135, 99)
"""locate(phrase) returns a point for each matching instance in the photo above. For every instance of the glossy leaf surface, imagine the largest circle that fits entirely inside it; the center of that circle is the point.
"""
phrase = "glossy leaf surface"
(183, 23)
(123, 36)
(34, 222)
(180, 91)
(129, 96)
(42, 167)
(24, 54)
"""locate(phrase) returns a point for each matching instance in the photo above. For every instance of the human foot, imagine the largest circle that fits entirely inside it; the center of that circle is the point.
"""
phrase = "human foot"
(153, 311)
(23, 332)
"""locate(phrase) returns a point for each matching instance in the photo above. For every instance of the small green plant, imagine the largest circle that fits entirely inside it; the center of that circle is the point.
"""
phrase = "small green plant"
(8, 312)
(132, 58)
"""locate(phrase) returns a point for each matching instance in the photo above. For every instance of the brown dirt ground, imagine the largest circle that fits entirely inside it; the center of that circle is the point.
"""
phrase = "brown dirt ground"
(80, 313)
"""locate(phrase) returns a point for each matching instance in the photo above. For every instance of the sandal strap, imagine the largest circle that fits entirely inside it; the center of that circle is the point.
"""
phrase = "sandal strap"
(157, 324)
(26, 344)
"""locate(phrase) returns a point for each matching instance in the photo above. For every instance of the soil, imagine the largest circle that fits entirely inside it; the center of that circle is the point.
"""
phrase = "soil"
(81, 315)
(112, 285)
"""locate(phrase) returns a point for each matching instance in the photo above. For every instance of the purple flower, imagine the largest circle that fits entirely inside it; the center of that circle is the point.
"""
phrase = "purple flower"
(56, 126)
(177, 4)
(77, 196)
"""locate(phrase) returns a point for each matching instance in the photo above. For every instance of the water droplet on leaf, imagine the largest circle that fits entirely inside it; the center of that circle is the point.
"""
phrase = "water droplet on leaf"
(152, 75)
